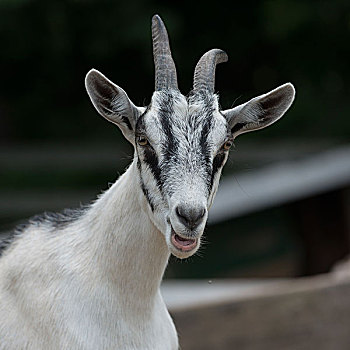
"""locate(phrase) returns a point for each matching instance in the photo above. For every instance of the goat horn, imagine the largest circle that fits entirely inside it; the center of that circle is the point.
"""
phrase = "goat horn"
(165, 71)
(204, 74)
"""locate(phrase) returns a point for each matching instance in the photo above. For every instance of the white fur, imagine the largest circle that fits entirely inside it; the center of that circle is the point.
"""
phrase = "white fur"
(94, 285)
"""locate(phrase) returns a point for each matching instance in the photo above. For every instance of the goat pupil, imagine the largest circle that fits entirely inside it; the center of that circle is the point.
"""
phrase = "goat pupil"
(142, 141)
(227, 145)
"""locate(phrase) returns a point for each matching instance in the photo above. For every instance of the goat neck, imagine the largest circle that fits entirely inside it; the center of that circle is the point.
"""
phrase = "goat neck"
(125, 244)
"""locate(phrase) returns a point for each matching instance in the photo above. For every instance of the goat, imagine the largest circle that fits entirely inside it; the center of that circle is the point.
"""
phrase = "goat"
(89, 279)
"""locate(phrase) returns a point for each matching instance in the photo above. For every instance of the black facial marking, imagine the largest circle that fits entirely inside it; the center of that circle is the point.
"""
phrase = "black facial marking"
(139, 164)
(140, 125)
(143, 187)
(127, 122)
(217, 164)
(146, 193)
(237, 127)
(204, 144)
(166, 110)
(205, 147)
(149, 155)
(151, 159)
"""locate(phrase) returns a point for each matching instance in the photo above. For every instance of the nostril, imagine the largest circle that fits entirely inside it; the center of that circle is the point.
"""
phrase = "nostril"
(202, 213)
(179, 212)
(190, 217)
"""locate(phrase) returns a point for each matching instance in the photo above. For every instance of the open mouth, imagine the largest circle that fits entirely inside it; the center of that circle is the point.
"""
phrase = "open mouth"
(181, 243)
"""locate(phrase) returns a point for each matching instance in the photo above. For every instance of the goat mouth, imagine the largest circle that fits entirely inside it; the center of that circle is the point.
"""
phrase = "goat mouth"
(181, 243)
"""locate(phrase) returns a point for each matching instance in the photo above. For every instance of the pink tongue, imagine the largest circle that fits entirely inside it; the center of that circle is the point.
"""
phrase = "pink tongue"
(183, 241)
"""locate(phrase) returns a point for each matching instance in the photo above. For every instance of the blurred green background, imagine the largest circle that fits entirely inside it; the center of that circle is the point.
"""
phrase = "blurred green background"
(53, 145)
(47, 47)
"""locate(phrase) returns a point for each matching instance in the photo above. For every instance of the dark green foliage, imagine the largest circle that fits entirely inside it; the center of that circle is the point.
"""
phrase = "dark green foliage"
(47, 47)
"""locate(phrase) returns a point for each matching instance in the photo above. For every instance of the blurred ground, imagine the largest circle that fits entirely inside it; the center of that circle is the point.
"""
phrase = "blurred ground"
(302, 314)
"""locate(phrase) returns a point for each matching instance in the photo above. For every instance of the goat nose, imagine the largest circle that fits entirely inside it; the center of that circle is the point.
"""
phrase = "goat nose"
(191, 217)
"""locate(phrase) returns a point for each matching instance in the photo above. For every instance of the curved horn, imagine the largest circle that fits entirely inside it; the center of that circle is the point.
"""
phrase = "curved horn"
(165, 71)
(204, 74)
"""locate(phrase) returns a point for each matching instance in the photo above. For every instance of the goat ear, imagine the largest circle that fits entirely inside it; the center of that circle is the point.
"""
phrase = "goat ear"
(112, 102)
(260, 111)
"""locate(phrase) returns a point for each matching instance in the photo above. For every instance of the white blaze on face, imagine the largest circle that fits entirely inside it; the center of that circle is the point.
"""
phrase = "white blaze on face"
(182, 142)
(182, 160)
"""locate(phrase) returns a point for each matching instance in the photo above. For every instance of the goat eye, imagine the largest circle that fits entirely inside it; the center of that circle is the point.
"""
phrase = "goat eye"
(227, 145)
(142, 141)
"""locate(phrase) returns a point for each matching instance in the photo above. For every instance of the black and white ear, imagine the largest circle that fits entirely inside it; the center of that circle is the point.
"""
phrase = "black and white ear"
(260, 111)
(112, 102)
